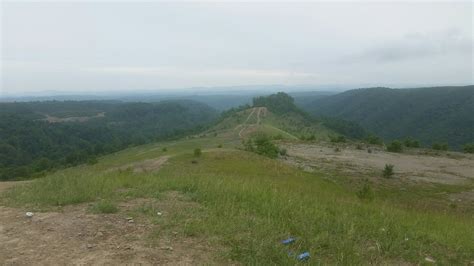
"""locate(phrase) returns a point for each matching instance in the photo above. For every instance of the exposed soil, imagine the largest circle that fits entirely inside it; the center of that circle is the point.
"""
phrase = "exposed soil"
(76, 236)
(261, 111)
(80, 119)
(435, 169)
(144, 166)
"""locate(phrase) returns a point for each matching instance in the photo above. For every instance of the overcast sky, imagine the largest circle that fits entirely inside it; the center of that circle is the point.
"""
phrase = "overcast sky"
(86, 47)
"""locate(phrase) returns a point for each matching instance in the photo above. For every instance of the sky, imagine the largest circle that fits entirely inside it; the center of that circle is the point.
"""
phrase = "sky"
(67, 47)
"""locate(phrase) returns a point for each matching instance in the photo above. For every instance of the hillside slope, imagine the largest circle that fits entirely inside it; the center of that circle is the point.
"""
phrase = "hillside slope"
(275, 115)
(439, 114)
(40, 136)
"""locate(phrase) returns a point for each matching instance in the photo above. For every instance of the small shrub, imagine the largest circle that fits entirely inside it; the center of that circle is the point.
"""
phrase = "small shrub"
(369, 150)
(388, 171)
(164, 149)
(372, 139)
(104, 206)
(337, 149)
(395, 146)
(411, 143)
(440, 146)
(262, 145)
(283, 152)
(197, 152)
(468, 148)
(359, 147)
(219, 146)
(366, 193)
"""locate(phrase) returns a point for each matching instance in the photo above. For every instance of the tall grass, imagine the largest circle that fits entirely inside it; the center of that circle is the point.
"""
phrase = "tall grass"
(250, 203)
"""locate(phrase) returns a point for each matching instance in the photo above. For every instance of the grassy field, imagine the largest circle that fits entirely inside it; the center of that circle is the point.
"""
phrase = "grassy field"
(248, 203)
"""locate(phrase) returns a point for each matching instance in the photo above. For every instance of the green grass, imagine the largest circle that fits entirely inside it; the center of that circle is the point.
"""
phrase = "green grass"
(249, 203)
(104, 206)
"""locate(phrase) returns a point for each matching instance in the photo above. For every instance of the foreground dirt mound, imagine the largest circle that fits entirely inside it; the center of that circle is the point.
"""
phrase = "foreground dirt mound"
(76, 236)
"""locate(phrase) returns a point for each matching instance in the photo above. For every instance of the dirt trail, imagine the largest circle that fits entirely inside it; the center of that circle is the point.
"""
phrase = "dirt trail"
(75, 236)
(245, 126)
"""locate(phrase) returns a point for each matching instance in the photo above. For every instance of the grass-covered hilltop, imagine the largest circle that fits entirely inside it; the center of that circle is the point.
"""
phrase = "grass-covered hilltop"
(230, 191)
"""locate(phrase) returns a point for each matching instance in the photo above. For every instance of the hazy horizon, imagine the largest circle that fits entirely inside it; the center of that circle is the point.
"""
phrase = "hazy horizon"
(96, 48)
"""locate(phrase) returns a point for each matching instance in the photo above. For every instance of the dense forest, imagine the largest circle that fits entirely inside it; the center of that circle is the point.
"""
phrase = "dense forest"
(39, 136)
(431, 115)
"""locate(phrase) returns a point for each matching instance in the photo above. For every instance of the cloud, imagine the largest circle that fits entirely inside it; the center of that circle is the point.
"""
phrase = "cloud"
(416, 46)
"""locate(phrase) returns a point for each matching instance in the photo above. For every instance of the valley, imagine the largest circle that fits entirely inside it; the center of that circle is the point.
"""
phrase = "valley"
(164, 203)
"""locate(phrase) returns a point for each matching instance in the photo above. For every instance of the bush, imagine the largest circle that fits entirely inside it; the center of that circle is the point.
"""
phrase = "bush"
(388, 171)
(372, 139)
(197, 152)
(440, 146)
(219, 146)
(104, 206)
(164, 149)
(262, 145)
(411, 143)
(359, 147)
(283, 152)
(366, 192)
(468, 148)
(395, 146)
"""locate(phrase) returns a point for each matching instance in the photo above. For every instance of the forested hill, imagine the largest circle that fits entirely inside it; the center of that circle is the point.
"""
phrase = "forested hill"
(39, 136)
(436, 114)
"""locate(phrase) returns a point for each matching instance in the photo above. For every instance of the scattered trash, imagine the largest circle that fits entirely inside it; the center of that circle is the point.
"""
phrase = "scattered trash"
(430, 259)
(29, 214)
(159, 213)
(288, 241)
(303, 256)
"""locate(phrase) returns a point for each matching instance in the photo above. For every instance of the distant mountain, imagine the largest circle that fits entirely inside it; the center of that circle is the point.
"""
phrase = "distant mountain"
(435, 114)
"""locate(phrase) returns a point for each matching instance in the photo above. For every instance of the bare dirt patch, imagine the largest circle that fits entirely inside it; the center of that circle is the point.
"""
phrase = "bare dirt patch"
(414, 167)
(75, 236)
(79, 119)
(149, 165)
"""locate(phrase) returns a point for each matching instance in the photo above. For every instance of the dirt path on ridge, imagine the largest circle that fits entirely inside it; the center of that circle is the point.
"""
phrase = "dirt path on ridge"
(260, 111)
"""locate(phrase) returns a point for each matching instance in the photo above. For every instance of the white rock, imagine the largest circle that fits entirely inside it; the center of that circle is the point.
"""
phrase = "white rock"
(29, 214)
(430, 259)
(159, 213)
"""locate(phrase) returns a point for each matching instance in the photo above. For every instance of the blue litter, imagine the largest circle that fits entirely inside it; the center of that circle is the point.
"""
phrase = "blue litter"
(288, 241)
(303, 256)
